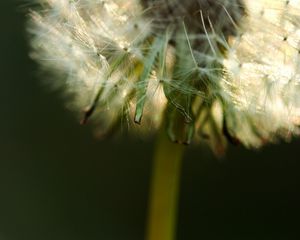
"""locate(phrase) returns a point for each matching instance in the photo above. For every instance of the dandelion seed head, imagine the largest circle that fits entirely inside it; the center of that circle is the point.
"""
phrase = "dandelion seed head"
(219, 70)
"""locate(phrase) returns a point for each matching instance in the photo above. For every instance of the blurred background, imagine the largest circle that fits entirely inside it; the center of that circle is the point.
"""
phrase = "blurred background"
(57, 182)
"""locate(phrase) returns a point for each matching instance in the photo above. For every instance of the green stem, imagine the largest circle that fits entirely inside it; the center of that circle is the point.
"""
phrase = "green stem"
(164, 190)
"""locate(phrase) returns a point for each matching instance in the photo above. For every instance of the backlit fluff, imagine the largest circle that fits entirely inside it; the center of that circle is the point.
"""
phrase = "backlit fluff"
(209, 69)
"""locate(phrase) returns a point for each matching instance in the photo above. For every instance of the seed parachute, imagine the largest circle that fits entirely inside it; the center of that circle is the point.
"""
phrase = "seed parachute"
(215, 70)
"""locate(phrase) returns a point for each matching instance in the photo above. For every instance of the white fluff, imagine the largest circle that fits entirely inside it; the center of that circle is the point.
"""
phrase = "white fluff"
(94, 45)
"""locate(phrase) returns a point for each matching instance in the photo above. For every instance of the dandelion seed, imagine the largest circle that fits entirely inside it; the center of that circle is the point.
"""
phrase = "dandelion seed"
(223, 70)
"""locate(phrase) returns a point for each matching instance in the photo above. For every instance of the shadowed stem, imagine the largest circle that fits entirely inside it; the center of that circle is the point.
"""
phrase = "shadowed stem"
(164, 190)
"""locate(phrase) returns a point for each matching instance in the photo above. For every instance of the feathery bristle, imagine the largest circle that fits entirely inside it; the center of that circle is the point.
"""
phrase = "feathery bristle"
(209, 69)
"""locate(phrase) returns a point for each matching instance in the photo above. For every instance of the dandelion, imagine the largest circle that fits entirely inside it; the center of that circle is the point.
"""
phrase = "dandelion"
(214, 70)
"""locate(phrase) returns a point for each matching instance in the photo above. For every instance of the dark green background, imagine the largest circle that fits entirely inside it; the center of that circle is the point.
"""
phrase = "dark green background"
(58, 183)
